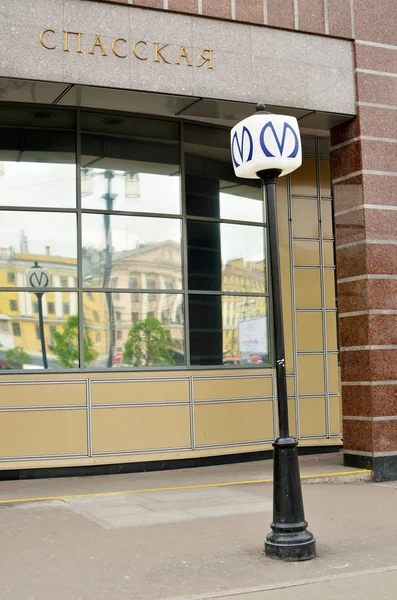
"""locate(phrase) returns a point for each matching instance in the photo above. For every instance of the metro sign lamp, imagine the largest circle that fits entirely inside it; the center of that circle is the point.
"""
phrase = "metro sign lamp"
(266, 146)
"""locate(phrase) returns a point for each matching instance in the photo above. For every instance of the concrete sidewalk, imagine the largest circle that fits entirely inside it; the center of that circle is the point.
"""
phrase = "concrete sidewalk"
(118, 542)
(313, 468)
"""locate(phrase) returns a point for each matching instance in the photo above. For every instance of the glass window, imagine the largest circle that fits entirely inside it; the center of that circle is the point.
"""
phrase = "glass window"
(115, 246)
(227, 257)
(228, 330)
(136, 164)
(51, 308)
(35, 307)
(45, 237)
(212, 189)
(37, 150)
(148, 341)
(61, 341)
(10, 277)
(66, 308)
(64, 282)
(13, 305)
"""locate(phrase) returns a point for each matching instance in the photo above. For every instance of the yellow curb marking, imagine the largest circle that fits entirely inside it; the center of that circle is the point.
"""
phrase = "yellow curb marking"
(172, 489)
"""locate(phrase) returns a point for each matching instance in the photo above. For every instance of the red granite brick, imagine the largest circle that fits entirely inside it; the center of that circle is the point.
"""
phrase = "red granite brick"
(345, 132)
(375, 58)
(217, 8)
(188, 6)
(250, 12)
(351, 261)
(149, 3)
(381, 258)
(384, 436)
(348, 193)
(378, 122)
(280, 13)
(311, 16)
(350, 227)
(346, 160)
(357, 435)
(357, 400)
(376, 89)
(374, 19)
(339, 18)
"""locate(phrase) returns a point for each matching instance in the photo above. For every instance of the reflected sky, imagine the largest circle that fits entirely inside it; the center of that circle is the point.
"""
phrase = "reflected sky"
(38, 184)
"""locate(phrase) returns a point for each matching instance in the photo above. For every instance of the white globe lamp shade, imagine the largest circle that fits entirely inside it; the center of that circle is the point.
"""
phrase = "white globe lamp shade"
(265, 141)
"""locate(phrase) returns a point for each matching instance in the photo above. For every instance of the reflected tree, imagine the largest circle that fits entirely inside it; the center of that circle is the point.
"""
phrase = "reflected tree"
(65, 345)
(148, 344)
(19, 357)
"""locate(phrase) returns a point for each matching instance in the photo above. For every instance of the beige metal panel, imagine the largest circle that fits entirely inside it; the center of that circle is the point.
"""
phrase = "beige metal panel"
(140, 428)
(290, 385)
(328, 230)
(305, 217)
(332, 338)
(304, 179)
(230, 387)
(292, 416)
(309, 331)
(42, 395)
(329, 279)
(307, 252)
(311, 373)
(325, 177)
(312, 416)
(333, 374)
(308, 288)
(335, 415)
(283, 229)
(329, 258)
(139, 391)
(233, 422)
(43, 432)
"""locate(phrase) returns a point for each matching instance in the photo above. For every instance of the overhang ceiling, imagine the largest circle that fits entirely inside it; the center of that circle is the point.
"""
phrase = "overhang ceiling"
(220, 112)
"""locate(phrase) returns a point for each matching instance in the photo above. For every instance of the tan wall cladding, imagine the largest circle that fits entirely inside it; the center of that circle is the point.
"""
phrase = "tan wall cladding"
(43, 433)
(140, 428)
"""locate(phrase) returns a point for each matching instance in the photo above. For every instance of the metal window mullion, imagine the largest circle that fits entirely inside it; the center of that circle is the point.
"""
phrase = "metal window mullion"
(293, 306)
(323, 294)
(185, 273)
(79, 247)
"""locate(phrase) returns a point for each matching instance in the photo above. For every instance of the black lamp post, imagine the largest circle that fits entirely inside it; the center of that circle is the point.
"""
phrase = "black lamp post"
(267, 146)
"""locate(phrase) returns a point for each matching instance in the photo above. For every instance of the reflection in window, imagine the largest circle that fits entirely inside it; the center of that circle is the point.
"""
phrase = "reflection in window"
(20, 334)
(119, 249)
(48, 238)
(155, 192)
(144, 338)
(233, 256)
(228, 330)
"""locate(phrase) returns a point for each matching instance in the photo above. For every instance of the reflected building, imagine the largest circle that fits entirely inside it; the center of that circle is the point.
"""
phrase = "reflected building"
(19, 320)
(150, 267)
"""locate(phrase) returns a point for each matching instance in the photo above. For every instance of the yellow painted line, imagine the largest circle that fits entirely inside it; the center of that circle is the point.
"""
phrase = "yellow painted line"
(172, 489)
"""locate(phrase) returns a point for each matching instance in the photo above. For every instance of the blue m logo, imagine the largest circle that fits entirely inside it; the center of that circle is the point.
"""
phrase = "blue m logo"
(280, 145)
(239, 143)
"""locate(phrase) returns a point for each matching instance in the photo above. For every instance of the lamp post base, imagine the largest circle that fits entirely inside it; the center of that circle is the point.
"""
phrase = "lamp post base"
(289, 539)
(290, 547)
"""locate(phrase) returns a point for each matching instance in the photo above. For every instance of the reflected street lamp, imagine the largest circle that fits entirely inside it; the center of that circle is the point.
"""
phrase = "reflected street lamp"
(38, 278)
(267, 146)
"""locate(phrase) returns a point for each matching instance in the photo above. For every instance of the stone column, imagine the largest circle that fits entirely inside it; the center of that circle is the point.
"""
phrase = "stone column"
(364, 163)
